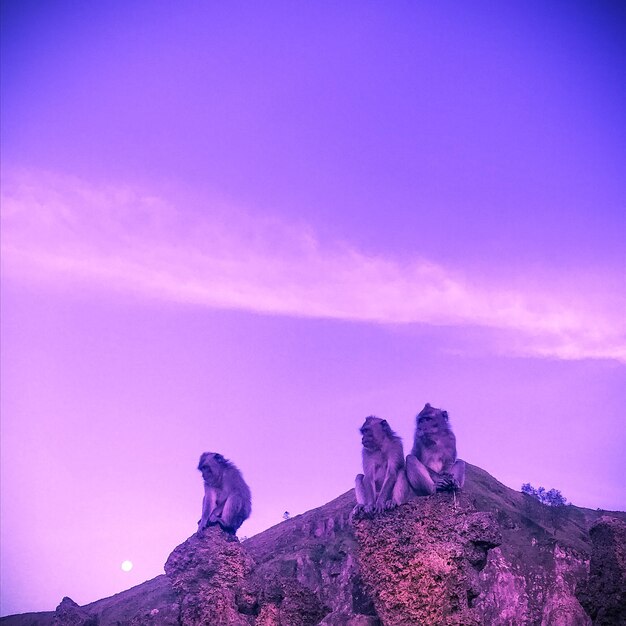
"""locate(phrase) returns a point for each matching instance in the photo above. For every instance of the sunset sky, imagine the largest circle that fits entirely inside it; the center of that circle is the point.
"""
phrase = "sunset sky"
(243, 227)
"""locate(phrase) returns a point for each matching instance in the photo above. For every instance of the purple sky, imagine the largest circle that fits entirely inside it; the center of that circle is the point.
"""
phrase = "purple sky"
(243, 227)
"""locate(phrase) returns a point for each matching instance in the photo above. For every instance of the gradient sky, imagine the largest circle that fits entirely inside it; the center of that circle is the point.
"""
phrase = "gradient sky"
(243, 227)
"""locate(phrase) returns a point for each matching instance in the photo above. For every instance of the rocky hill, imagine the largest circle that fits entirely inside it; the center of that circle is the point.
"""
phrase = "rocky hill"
(490, 555)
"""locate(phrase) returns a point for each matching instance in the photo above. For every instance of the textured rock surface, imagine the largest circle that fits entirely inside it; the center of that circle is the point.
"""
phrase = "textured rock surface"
(206, 571)
(216, 583)
(307, 569)
(561, 607)
(317, 549)
(532, 578)
(420, 562)
(604, 594)
(536, 592)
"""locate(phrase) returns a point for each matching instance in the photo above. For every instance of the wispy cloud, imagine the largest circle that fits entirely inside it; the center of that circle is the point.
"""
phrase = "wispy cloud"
(61, 229)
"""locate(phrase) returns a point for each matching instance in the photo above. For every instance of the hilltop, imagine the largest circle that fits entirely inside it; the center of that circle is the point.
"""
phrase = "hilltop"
(490, 555)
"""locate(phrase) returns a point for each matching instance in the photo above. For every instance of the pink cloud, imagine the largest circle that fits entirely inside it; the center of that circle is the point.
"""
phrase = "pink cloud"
(57, 229)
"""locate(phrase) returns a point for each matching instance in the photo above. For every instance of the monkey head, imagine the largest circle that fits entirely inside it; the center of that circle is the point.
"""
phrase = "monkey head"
(211, 466)
(373, 432)
(431, 421)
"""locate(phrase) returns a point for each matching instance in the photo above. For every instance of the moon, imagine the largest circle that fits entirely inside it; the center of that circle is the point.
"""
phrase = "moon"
(127, 566)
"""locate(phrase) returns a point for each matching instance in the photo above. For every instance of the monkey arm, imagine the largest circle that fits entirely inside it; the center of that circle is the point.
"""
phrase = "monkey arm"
(401, 490)
(204, 518)
(384, 500)
(365, 498)
(208, 507)
(230, 515)
(216, 513)
(445, 482)
(452, 477)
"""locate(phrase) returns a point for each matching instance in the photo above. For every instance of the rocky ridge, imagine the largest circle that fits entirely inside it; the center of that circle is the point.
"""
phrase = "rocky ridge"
(433, 561)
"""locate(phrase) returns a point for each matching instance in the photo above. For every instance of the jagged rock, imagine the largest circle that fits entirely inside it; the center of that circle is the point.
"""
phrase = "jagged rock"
(604, 595)
(68, 613)
(538, 587)
(420, 561)
(561, 607)
(206, 571)
(217, 584)
(286, 601)
(318, 550)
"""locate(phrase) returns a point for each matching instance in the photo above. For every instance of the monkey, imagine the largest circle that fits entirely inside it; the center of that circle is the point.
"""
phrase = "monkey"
(383, 484)
(432, 465)
(227, 499)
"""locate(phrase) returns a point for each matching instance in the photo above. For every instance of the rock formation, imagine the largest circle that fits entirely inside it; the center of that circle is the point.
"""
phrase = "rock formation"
(216, 584)
(68, 613)
(207, 571)
(418, 562)
(604, 594)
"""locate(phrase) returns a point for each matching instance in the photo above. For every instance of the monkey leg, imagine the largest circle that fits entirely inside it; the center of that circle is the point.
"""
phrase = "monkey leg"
(401, 490)
(418, 477)
(230, 517)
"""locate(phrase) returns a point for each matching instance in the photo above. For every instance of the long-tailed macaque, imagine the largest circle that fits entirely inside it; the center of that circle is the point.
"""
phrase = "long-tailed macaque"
(383, 484)
(226, 496)
(432, 465)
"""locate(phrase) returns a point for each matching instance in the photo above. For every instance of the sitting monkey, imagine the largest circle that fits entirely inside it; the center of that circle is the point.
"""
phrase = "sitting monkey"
(226, 496)
(432, 465)
(383, 484)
